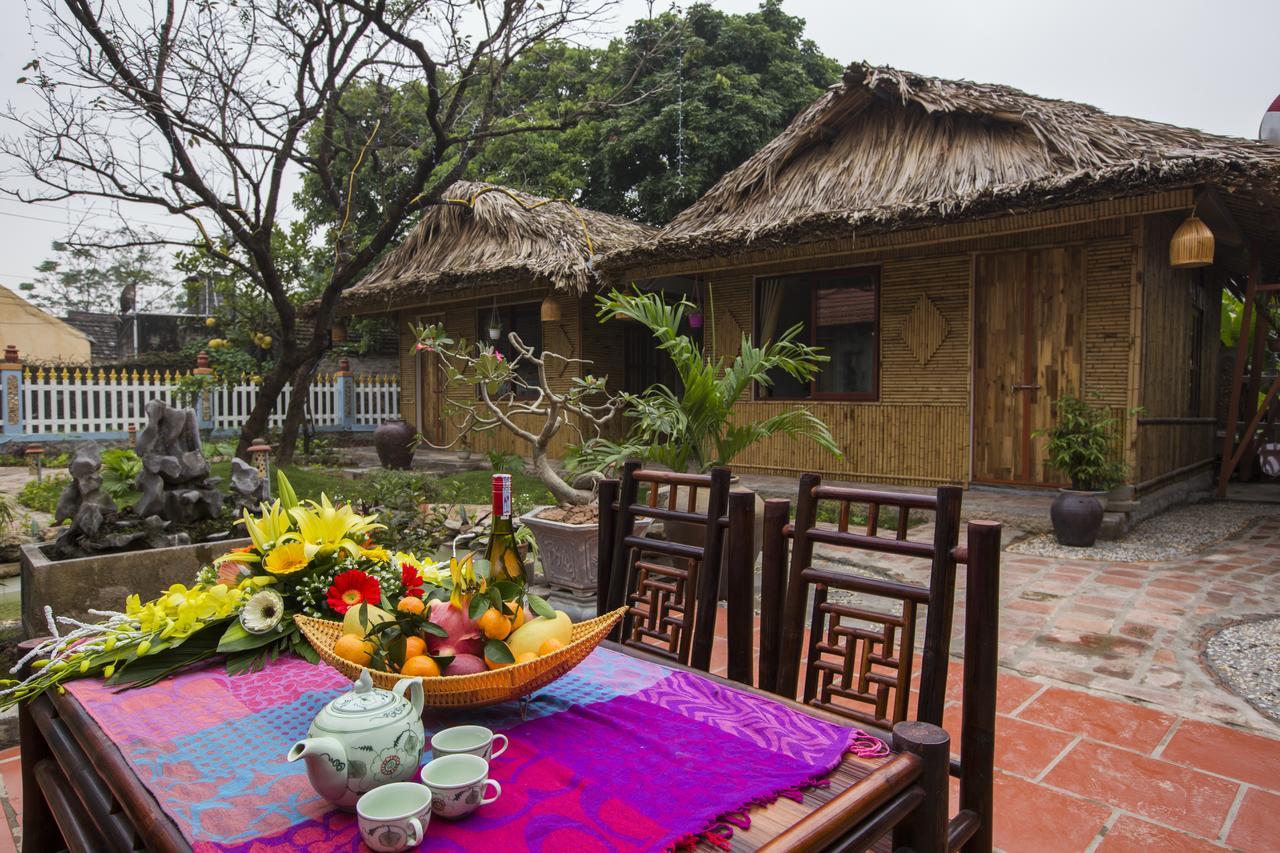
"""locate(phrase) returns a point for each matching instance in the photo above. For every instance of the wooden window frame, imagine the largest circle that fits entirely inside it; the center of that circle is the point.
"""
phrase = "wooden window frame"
(814, 280)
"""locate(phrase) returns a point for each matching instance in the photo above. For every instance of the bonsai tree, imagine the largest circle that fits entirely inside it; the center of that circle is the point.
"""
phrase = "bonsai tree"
(1080, 445)
(691, 428)
(514, 394)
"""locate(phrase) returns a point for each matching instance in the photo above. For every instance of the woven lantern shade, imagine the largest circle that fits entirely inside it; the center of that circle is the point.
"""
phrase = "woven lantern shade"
(1192, 245)
(338, 333)
(550, 309)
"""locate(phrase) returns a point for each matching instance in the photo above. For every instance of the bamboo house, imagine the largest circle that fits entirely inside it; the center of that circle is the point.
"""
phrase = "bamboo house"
(966, 254)
(492, 258)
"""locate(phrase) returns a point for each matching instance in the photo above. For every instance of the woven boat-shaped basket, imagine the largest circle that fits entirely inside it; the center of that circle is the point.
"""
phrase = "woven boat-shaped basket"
(482, 688)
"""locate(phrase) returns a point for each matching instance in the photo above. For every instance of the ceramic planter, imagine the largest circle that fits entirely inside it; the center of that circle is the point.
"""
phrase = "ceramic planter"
(393, 440)
(1077, 517)
(568, 554)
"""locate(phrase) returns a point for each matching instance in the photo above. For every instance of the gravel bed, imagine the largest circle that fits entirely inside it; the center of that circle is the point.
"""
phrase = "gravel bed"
(1247, 658)
(1180, 531)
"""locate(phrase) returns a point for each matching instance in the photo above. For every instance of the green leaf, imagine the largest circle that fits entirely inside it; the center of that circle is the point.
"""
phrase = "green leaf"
(237, 639)
(442, 661)
(539, 605)
(496, 602)
(434, 630)
(479, 604)
(288, 497)
(507, 589)
(498, 652)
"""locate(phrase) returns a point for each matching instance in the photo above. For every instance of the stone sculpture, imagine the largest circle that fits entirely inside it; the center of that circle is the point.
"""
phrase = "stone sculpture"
(174, 480)
(248, 489)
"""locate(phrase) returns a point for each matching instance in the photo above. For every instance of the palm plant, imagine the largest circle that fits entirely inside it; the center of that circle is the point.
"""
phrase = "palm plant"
(692, 429)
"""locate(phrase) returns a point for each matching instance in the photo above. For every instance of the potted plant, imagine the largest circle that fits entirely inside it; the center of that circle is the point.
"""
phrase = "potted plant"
(1080, 446)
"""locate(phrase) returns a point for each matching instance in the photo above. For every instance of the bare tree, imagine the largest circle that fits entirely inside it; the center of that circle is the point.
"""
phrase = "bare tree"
(201, 109)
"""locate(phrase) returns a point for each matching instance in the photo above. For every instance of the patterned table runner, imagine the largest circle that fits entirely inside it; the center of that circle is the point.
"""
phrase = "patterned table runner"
(619, 754)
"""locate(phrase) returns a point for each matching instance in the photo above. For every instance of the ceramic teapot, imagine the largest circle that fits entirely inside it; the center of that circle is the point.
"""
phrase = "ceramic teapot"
(362, 739)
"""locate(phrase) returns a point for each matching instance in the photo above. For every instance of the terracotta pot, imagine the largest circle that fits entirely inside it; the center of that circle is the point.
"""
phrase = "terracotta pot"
(1077, 517)
(394, 442)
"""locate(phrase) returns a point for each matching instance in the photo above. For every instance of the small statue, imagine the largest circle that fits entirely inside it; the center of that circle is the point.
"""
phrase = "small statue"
(174, 480)
(248, 489)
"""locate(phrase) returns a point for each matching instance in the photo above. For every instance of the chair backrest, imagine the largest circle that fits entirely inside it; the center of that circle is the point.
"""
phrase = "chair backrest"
(669, 585)
(860, 656)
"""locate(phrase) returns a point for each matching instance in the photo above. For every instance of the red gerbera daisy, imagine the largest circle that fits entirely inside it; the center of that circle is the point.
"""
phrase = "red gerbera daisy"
(411, 580)
(353, 588)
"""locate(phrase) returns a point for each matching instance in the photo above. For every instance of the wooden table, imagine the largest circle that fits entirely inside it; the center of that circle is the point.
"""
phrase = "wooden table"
(81, 794)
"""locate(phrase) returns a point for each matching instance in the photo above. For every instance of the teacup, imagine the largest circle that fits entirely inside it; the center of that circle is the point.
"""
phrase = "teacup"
(394, 817)
(472, 740)
(458, 784)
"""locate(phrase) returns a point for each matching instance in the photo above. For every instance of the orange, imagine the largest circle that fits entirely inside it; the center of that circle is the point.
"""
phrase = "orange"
(514, 608)
(420, 665)
(411, 604)
(551, 644)
(414, 646)
(526, 657)
(351, 648)
(494, 624)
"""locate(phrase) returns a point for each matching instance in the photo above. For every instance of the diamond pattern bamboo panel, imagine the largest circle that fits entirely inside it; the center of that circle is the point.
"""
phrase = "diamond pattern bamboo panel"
(924, 329)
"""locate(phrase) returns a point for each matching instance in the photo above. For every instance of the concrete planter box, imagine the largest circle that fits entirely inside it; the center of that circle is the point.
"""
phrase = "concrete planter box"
(102, 582)
(568, 553)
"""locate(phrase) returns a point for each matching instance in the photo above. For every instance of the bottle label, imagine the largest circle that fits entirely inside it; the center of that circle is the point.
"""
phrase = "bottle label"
(501, 495)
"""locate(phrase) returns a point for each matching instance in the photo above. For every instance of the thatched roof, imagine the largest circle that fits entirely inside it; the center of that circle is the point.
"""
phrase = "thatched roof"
(483, 234)
(886, 149)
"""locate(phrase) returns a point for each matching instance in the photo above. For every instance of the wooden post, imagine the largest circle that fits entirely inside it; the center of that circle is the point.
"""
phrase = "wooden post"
(801, 557)
(1237, 371)
(942, 586)
(981, 657)
(707, 594)
(925, 829)
(773, 570)
(624, 526)
(607, 498)
(742, 587)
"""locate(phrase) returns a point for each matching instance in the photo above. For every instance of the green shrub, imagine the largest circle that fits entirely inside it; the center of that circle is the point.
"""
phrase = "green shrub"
(42, 495)
(120, 470)
(1081, 445)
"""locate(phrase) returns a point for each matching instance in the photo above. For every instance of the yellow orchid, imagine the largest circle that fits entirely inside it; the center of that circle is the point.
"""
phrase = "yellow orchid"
(465, 582)
(323, 526)
(377, 554)
(287, 559)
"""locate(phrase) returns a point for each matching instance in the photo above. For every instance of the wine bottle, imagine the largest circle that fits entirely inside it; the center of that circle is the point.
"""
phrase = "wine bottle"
(503, 554)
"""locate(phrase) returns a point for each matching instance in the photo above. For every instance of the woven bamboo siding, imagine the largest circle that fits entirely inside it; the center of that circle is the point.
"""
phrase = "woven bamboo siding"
(1167, 357)
(910, 444)
(408, 372)
(944, 378)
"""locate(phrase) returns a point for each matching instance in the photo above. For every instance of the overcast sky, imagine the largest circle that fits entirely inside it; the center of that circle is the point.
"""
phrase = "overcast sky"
(1209, 65)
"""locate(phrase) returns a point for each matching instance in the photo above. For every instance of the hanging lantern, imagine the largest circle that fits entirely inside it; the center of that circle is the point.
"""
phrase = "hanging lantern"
(695, 320)
(339, 332)
(550, 309)
(35, 461)
(495, 323)
(1192, 245)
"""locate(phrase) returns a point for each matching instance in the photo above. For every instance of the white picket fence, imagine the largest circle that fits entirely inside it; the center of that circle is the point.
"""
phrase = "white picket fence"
(80, 401)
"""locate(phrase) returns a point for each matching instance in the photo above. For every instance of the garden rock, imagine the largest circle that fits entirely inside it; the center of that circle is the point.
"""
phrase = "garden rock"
(248, 489)
(174, 481)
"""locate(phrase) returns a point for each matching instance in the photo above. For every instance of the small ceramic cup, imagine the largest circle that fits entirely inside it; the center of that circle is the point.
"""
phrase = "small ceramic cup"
(458, 784)
(472, 740)
(394, 817)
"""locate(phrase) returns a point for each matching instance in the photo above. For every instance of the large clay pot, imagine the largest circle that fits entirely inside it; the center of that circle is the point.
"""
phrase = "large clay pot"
(1077, 517)
(393, 440)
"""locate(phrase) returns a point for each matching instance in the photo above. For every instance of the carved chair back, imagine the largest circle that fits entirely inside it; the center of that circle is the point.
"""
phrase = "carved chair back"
(862, 630)
(670, 587)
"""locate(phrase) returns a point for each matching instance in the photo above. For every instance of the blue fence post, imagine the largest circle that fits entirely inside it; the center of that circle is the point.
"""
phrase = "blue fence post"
(344, 395)
(204, 403)
(12, 418)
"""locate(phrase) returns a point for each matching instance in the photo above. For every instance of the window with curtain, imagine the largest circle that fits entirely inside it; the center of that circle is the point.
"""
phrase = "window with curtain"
(526, 321)
(839, 312)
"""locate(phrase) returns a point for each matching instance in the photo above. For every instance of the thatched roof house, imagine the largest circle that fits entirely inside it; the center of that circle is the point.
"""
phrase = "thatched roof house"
(485, 235)
(887, 149)
(1004, 249)
(492, 256)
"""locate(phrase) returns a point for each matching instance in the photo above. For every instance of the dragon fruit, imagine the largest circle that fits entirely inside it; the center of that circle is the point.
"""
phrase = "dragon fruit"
(464, 636)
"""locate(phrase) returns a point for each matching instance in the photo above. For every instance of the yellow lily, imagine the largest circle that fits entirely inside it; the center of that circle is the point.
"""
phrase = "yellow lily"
(465, 582)
(322, 525)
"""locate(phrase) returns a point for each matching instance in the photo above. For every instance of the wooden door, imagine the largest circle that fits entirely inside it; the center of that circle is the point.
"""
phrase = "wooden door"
(431, 384)
(1028, 317)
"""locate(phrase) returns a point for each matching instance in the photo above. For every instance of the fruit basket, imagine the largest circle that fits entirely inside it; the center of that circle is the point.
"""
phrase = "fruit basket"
(482, 688)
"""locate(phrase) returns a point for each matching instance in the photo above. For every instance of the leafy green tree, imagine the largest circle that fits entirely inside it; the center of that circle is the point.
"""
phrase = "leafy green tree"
(93, 278)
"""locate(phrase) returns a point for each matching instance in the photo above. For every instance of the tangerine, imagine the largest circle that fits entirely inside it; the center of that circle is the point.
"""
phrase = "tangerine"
(411, 604)
(493, 664)
(526, 657)
(420, 666)
(494, 624)
(351, 648)
(517, 613)
(414, 646)
(549, 645)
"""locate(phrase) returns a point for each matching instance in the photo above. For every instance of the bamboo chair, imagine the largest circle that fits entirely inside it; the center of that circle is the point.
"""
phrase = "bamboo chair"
(670, 588)
(859, 660)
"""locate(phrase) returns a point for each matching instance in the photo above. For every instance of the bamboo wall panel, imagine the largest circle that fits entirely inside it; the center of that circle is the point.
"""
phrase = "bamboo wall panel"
(999, 363)
(1109, 348)
(910, 444)
(408, 372)
(1169, 298)
(944, 378)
